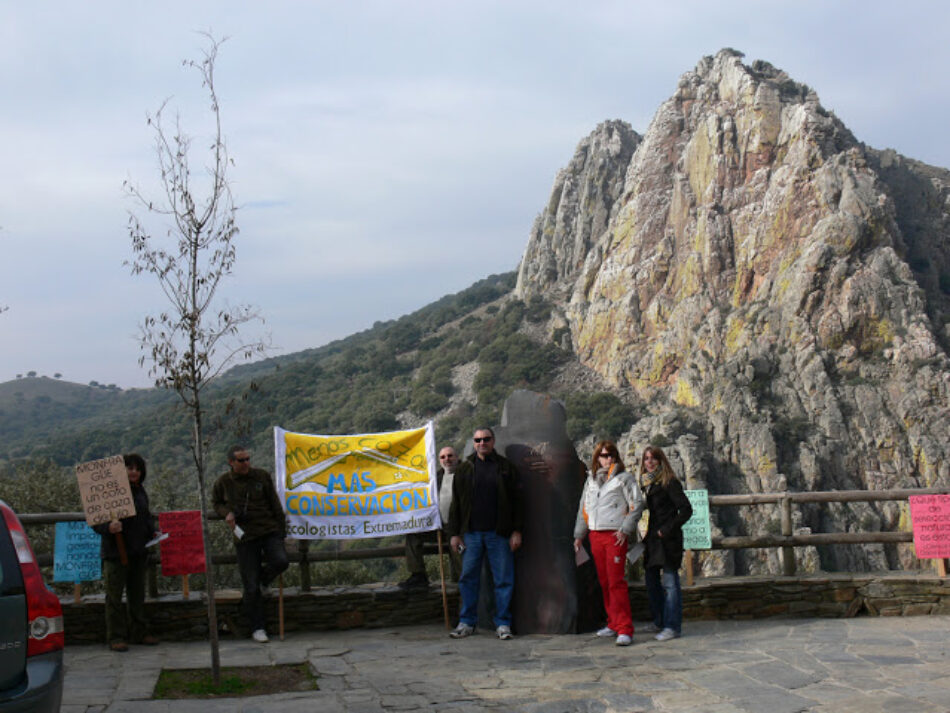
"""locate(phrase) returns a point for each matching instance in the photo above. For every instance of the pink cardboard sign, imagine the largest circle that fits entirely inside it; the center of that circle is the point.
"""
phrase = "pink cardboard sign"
(183, 551)
(930, 515)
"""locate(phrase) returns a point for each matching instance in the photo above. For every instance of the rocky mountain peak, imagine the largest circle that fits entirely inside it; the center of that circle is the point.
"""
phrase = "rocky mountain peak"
(583, 201)
(763, 280)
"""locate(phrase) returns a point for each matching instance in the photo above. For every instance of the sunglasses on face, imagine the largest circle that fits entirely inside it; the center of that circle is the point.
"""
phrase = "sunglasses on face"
(606, 455)
(243, 460)
(486, 439)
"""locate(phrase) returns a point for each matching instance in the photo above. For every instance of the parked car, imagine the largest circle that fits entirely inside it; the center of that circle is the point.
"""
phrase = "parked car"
(31, 627)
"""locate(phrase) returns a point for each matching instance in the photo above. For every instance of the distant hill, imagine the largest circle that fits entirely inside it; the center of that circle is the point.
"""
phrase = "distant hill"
(454, 360)
(38, 408)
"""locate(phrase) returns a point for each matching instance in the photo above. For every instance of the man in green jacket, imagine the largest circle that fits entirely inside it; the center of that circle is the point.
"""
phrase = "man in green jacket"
(485, 522)
(247, 500)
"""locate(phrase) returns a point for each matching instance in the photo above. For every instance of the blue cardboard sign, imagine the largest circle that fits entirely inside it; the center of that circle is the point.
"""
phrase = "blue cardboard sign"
(696, 532)
(76, 556)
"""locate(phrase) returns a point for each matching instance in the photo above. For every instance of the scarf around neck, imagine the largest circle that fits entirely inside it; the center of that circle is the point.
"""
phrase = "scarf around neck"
(647, 479)
(603, 474)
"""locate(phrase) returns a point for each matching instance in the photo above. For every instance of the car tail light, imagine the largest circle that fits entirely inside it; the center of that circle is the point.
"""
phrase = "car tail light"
(44, 612)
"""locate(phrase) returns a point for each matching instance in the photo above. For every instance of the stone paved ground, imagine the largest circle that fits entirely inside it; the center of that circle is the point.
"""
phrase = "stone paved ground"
(865, 665)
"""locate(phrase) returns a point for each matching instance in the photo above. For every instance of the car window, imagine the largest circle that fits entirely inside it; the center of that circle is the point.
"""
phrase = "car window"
(10, 578)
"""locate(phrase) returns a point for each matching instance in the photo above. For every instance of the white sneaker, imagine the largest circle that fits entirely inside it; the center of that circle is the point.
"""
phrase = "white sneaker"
(260, 636)
(606, 632)
(624, 640)
(461, 631)
(667, 634)
(503, 632)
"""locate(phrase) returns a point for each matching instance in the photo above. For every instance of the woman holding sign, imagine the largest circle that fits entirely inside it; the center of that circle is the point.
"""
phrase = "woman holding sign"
(669, 511)
(610, 508)
(131, 534)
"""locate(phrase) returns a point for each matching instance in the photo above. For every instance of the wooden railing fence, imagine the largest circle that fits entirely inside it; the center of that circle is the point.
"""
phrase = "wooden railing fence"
(786, 540)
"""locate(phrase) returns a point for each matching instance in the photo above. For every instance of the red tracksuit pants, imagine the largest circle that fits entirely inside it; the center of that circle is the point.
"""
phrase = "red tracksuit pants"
(610, 558)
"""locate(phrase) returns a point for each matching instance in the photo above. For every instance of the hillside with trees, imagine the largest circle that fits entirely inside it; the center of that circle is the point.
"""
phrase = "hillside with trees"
(398, 374)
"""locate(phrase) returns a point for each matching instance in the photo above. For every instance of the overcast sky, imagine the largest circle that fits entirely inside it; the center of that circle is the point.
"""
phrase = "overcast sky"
(386, 153)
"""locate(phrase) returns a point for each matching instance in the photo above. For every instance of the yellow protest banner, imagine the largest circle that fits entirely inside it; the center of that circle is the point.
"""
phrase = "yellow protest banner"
(354, 486)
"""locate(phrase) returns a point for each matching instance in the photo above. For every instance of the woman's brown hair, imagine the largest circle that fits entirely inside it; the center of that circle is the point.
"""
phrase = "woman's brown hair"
(665, 470)
(610, 448)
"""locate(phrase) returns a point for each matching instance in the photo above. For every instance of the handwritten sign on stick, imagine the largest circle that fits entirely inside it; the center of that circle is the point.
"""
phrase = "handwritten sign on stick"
(183, 552)
(104, 490)
(76, 556)
(696, 533)
(930, 515)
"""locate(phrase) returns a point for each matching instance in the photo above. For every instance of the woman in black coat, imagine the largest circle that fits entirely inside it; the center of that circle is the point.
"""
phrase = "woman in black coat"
(669, 510)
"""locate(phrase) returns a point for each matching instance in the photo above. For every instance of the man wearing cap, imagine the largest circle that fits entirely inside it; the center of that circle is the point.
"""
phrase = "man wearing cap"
(485, 523)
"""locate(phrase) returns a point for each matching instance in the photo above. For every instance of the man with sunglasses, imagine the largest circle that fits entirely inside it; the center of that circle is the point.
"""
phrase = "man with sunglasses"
(415, 563)
(485, 523)
(247, 500)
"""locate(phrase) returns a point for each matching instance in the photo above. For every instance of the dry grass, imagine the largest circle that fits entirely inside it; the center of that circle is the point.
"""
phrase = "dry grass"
(236, 681)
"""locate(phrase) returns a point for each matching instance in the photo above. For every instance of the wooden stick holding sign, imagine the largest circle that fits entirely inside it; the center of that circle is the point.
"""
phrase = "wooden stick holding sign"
(106, 494)
(280, 605)
(120, 542)
(445, 600)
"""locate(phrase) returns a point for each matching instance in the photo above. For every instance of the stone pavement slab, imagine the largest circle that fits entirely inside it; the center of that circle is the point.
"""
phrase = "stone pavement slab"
(781, 666)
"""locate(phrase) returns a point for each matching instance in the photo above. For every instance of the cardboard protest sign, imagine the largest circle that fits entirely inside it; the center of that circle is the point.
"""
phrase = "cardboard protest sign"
(183, 552)
(696, 531)
(363, 485)
(76, 554)
(930, 515)
(104, 489)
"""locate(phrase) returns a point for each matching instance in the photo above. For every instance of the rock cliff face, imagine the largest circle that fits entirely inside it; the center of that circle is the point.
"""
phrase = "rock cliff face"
(775, 291)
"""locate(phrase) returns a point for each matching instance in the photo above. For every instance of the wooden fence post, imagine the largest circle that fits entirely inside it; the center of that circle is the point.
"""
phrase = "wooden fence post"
(788, 553)
(303, 547)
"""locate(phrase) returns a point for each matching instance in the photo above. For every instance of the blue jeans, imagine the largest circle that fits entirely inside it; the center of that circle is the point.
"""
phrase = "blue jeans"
(260, 561)
(666, 598)
(494, 547)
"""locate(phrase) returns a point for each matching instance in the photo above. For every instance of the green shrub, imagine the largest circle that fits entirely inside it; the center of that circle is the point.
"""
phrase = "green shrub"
(537, 310)
(600, 413)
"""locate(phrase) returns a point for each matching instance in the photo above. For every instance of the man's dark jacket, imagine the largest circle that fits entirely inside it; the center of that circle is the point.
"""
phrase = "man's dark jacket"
(510, 507)
(253, 500)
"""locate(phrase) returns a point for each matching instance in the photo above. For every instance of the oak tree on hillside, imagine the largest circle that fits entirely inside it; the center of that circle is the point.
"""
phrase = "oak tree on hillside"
(190, 342)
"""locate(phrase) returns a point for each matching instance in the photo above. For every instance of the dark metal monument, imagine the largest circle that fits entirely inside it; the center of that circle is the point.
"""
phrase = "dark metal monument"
(552, 594)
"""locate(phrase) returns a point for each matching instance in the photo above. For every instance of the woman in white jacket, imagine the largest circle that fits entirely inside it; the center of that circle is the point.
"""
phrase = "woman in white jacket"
(610, 508)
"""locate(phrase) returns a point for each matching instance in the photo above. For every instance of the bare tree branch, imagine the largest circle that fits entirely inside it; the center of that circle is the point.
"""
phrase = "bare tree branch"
(190, 344)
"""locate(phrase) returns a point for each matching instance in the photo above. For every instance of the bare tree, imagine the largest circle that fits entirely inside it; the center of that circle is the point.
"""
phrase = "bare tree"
(195, 338)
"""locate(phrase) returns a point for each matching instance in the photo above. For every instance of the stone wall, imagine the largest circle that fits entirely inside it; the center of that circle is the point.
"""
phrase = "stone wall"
(384, 605)
(832, 595)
